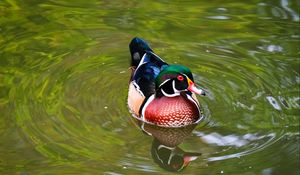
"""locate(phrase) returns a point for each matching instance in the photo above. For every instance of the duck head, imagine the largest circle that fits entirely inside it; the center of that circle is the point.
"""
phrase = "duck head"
(174, 79)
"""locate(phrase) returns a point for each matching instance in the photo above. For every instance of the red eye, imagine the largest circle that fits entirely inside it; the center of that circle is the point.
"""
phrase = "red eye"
(180, 78)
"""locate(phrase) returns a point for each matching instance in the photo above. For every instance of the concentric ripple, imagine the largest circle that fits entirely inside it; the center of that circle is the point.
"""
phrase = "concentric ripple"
(58, 108)
(259, 112)
(64, 78)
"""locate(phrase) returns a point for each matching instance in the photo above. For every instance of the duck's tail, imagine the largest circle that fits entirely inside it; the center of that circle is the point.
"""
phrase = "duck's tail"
(138, 48)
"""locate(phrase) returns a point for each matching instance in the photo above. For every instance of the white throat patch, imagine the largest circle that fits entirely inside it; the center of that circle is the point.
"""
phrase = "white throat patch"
(176, 92)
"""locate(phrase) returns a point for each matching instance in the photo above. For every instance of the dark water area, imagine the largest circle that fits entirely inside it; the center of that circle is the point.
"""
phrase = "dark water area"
(64, 72)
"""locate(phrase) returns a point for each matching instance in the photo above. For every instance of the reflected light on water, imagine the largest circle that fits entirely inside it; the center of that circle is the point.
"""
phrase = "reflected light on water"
(239, 141)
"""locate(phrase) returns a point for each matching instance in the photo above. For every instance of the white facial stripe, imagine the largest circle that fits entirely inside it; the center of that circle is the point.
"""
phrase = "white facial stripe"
(164, 82)
(185, 75)
(169, 95)
(174, 88)
(169, 80)
(176, 92)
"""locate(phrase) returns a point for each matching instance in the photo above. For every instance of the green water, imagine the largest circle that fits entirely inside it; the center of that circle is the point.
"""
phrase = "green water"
(64, 80)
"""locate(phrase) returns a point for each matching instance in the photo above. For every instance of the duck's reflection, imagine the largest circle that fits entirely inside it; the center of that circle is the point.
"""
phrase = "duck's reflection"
(171, 158)
(165, 151)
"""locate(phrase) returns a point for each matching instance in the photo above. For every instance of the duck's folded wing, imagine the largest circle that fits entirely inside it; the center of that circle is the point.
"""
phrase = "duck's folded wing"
(146, 72)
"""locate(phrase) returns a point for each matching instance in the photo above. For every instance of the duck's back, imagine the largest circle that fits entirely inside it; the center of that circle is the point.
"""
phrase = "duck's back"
(146, 72)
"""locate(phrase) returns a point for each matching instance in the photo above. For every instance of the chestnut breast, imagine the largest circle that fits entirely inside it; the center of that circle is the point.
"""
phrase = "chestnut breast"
(172, 111)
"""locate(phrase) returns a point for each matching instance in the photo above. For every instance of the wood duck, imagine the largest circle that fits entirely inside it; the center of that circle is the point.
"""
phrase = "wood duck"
(160, 93)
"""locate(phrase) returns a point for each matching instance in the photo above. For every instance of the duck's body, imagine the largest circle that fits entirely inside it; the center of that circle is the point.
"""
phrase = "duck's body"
(159, 93)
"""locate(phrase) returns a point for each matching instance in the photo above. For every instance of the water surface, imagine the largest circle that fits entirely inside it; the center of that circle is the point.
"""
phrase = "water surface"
(64, 80)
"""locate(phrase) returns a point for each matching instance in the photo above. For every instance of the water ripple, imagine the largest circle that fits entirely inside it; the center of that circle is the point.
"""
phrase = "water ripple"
(64, 80)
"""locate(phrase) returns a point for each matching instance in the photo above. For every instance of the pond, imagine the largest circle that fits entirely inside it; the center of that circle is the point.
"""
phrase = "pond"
(64, 71)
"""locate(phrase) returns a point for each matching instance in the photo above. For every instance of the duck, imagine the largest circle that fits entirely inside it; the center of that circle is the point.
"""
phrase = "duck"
(159, 93)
